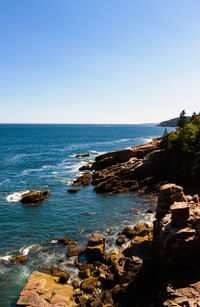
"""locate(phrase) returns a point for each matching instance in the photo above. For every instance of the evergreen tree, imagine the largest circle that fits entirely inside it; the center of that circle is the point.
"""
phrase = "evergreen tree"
(182, 120)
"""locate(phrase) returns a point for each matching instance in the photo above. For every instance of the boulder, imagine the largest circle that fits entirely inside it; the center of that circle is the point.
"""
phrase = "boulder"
(89, 284)
(83, 180)
(66, 241)
(180, 214)
(34, 197)
(63, 275)
(73, 190)
(44, 290)
(82, 155)
(95, 247)
(75, 250)
(19, 259)
(86, 167)
(120, 240)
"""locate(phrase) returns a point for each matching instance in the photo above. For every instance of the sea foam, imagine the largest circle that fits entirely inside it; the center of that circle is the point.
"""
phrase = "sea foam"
(16, 196)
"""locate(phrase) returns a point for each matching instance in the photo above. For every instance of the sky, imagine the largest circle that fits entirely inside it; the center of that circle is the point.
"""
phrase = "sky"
(98, 61)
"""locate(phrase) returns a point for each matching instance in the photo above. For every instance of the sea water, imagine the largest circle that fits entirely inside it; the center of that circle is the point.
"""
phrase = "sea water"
(42, 157)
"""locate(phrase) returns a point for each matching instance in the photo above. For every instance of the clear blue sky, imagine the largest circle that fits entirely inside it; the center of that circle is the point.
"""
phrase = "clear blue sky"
(98, 61)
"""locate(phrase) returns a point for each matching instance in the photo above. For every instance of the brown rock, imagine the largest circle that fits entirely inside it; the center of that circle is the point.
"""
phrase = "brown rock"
(34, 197)
(150, 210)
(89, 284)
(66, 241)
(180, 214)
(75, 284)
(95, 247)
(84, 273)
(73, 190)
(128, 232)
(120, 240)
(82, 155)
(183, 296)
(75, 250)
(83, 180)
(19, 259)
(63, 275)
(44, 290)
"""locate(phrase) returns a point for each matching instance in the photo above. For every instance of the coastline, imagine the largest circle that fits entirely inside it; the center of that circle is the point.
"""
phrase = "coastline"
(107, 279)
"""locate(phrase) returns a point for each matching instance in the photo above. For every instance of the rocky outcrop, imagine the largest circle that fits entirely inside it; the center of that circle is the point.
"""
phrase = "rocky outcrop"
(83, 180)
(45, 290)
(137, 168)
(95, 247)
(34, 197)
(161, 262)
(63, 275)
(182, 295)
(177, 228)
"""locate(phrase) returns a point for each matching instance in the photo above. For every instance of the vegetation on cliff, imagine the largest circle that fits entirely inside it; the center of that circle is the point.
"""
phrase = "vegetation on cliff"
(186, 139)
(173, 122)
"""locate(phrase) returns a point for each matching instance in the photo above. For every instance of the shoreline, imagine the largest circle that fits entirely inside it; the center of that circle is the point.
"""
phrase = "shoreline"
(107, 279)
(129, 170)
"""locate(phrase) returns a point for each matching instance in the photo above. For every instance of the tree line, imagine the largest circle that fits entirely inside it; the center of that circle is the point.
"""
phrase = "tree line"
(186, 138)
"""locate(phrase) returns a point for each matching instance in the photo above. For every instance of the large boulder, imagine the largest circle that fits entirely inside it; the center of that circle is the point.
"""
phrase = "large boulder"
(75, 250)
(95, 247)
(45, 290)
(175, 234)
(34, 197)
(89, 284)
(63, 275)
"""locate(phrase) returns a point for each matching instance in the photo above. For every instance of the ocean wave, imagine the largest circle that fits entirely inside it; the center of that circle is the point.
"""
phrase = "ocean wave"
(147, 140)
(122, 140)
(5, 258)
(30, 170)
(16, 196)
(4, 181)
(25, 250)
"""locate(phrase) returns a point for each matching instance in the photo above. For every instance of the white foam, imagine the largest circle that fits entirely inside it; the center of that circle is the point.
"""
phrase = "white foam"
(122, 140)
(25, 250)
(147, 140)
(6, 258)
(53, 241)
(15, 197)
(6, 180)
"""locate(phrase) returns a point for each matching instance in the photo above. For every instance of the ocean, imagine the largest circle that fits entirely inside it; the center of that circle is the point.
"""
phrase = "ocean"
(41, 157)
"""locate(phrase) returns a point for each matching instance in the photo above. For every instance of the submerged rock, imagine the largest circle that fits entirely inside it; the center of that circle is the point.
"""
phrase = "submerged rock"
(34, 197)
(19, 259)
(73, 190)
(66, 241)
(82, 155)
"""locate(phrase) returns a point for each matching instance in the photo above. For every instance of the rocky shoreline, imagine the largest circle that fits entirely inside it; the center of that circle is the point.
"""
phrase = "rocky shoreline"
(156, 266)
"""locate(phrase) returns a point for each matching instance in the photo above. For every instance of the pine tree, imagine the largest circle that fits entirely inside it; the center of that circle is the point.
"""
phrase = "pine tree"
(182, 120)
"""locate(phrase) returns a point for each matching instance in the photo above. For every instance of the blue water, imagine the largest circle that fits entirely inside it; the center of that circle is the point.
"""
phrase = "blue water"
(42, 157)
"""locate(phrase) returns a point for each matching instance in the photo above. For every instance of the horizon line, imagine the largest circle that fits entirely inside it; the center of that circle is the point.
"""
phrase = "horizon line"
(11, 123)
